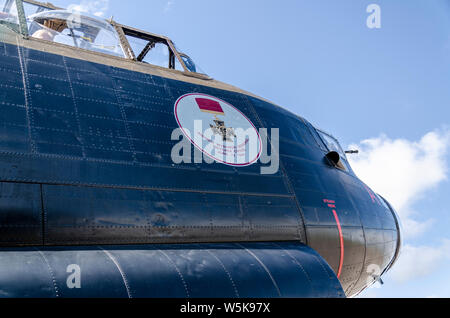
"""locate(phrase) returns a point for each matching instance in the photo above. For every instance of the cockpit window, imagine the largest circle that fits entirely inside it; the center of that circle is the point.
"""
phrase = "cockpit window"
(46, 22)
(75, 29)
(8, 14)
(333, 145)
(190, 65)
(150, 51)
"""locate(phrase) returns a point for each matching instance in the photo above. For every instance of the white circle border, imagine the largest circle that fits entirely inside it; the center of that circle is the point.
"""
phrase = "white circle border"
(200, 148)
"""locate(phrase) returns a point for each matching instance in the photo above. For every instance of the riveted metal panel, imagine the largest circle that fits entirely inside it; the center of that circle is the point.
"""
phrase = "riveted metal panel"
(255, 270)
(20, 214)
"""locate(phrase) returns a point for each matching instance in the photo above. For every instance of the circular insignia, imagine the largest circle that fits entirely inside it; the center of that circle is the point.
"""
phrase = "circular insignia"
(218, 129)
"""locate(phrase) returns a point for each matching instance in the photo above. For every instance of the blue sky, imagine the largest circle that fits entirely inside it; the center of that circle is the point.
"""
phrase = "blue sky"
(385, 91)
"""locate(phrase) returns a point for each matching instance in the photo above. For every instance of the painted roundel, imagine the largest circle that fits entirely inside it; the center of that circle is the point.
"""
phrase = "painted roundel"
(218, 129)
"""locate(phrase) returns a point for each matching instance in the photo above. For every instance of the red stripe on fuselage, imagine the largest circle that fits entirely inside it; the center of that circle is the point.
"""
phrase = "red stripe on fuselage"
(341, 240)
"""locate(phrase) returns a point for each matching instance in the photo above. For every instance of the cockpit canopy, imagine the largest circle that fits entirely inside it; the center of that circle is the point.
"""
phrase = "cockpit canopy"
(76, 29)
(46, 22)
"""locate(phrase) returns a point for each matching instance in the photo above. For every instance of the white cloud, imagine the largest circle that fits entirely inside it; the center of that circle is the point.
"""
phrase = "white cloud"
(403, 171)
(169, 5)
(95, 7)
(416, 262)
(419, 261)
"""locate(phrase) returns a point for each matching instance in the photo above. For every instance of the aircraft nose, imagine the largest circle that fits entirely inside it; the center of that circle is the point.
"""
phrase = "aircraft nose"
(399, 234)
(400, 237)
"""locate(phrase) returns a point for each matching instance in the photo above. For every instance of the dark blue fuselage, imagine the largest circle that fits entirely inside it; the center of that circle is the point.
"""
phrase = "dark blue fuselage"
(85, 161)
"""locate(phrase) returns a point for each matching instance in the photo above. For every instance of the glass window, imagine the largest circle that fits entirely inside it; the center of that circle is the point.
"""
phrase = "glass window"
(158, 55)
(333, 145)
(75, 29)
(8, 14)
(31, 9)
(150, 52)
(190, 65)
